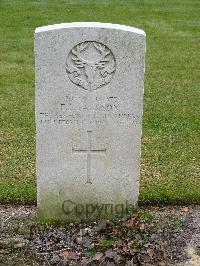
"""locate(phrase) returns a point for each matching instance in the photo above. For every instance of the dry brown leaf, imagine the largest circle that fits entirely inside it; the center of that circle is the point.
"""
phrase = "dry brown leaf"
(134, 260)
(108, 222)
(116, 232)
(125, 248)
(129, 223)
(144, 258)
(142, 226)
(73, 256)
(64, 254)
(184, 209)
(164, 248)
(68, 255)
(99, 256)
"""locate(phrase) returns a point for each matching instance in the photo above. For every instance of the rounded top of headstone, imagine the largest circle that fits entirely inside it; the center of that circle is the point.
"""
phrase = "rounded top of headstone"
(89, 25)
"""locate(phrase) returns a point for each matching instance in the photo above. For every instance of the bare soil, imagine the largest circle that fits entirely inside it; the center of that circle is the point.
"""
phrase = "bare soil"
(154, 236)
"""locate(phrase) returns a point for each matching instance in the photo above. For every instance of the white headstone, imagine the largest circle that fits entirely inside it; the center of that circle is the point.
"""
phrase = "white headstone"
(89, 102)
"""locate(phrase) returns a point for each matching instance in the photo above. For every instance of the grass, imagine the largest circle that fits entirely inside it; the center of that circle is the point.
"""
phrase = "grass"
(146, 216)
(107, 243)
(169, 172)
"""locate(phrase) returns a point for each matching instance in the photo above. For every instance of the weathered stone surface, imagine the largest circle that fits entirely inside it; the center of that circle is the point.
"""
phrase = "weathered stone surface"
(89, 99)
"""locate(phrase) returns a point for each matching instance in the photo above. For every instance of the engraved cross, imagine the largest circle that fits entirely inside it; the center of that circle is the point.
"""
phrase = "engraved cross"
(89, 151)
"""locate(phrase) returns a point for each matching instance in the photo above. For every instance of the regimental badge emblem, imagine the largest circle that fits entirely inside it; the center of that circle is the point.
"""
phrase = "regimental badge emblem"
(90, 65)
